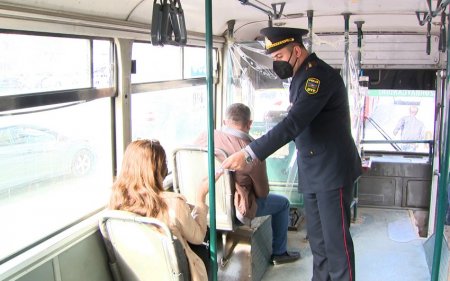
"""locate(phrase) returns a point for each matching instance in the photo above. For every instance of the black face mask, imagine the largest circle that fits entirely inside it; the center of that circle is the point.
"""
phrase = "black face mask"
(283, 68)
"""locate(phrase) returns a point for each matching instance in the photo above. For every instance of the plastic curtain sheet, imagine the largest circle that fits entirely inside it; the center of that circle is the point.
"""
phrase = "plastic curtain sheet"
(251, 80)
(251, 71)
(356, 94)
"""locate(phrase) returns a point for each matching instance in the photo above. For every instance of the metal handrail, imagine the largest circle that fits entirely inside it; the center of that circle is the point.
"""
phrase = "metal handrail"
(383, 133)
(429, 142)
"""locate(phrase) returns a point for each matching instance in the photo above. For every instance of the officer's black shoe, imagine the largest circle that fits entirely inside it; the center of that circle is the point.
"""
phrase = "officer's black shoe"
(289, 256)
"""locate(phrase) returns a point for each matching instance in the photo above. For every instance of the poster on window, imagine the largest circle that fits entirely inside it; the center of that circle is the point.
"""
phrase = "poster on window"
(399, 115)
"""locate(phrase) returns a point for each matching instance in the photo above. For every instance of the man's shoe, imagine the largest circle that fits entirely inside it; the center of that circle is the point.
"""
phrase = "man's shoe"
(285, 258)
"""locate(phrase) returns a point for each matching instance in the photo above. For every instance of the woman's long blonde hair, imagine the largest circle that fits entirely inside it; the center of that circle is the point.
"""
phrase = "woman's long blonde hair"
(140, 181)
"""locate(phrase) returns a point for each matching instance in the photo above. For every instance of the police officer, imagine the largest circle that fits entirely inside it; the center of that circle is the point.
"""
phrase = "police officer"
(328, 160)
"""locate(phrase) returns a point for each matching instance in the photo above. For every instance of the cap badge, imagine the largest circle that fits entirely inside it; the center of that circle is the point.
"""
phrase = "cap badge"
(267, 43)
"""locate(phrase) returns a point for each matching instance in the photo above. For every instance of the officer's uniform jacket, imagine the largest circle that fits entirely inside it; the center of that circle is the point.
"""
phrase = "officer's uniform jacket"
(319, 123)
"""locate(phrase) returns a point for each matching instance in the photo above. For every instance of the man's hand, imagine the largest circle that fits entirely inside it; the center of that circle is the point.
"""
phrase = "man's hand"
(235, 161)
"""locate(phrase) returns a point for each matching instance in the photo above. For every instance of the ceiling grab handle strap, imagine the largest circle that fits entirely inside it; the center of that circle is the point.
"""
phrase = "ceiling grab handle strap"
(428, 50)
(174, 20)
(156, 23)
(182, 24)
(165, 22)
(443, 33)
(169, 31)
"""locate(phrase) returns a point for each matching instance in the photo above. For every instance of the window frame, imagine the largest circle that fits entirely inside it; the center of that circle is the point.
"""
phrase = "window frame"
(46, 98)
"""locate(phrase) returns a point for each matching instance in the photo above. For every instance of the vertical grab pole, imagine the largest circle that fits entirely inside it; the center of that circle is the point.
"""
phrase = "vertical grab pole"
(428, 50)
(441, 202)
(211, 170)
(360, 36)
(346, 52)
(310, 14)
(442, 186)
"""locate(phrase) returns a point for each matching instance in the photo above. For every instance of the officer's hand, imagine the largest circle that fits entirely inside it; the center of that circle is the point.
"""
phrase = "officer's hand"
(235, 162)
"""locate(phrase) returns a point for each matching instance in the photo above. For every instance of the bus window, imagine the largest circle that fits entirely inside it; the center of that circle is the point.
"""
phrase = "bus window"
(155, 63)
(103, 76)
(175, 116)
(195, 63)
(51, 64)
(55, 170)
(173, 112)
(55, 150)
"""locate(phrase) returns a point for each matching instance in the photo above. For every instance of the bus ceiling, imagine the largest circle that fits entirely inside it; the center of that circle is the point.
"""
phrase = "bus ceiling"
(382, 16)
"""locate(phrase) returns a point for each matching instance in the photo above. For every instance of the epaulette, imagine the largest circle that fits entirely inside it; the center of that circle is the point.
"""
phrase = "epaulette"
(311, 64)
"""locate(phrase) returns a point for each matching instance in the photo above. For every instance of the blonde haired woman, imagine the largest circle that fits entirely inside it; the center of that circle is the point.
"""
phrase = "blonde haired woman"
(139, 189)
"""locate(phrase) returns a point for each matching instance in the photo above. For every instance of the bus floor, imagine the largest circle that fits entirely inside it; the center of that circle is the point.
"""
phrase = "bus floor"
(387, 247)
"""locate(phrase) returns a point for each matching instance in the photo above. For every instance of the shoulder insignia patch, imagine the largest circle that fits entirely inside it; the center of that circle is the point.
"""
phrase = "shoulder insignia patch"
(312, 85)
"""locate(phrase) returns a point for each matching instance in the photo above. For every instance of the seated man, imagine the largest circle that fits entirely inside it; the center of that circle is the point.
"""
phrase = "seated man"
(252, 197)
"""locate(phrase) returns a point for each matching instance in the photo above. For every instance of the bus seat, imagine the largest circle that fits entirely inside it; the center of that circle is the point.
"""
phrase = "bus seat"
(141, 248)
(190, 167)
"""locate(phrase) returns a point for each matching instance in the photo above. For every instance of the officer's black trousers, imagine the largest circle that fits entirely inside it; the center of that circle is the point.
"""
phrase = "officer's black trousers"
(328, 223)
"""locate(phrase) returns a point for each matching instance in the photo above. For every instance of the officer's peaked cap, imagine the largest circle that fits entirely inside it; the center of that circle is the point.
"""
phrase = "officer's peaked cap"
(278, 37)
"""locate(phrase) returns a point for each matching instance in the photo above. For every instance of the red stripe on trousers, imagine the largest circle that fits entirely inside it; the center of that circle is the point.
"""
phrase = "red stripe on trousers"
(344, 233)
